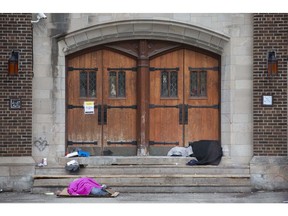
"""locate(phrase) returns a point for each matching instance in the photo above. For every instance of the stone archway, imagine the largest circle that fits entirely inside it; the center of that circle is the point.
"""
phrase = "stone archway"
(143, 29)
(139, 29)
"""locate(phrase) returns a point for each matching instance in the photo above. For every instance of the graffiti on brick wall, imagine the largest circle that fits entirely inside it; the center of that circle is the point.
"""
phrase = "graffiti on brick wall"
(41, 143)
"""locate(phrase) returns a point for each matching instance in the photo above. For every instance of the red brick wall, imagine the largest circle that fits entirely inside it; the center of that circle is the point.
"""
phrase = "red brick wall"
(16, 125)
(270, 123)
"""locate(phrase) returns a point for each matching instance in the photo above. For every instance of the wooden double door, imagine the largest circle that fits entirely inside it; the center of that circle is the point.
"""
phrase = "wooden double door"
(184, 99)
(106, 82)
(114, 100)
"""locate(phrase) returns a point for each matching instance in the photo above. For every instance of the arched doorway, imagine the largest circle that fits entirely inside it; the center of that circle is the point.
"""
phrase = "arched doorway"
(144, 96)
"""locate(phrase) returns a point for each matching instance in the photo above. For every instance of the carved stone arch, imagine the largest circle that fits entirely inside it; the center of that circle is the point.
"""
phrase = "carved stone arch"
(117, 35)
(143, 29)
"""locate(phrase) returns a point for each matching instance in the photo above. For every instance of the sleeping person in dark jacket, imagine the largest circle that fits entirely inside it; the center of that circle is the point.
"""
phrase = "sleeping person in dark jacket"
(207, 152)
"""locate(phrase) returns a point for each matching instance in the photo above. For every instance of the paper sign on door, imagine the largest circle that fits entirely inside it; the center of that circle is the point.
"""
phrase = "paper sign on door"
(89, 107)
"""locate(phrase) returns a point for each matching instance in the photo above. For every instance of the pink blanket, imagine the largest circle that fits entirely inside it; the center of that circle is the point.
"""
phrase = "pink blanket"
(82, 186)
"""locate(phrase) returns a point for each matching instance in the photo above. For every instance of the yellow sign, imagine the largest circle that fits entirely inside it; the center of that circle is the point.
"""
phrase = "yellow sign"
(89, 107)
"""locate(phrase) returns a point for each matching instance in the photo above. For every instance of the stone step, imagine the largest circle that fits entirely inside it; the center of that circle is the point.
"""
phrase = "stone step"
(141, 176)
(133, 160)
(185, 189)
(137, 183)
(152, 183)
(146, 175)
(145, 169)
(162, 189)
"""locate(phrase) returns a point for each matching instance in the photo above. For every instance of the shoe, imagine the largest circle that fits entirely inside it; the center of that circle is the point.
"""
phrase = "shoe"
(115, 194)
(192, 162)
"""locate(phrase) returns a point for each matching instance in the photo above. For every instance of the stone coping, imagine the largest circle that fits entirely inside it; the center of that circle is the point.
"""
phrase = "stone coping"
(19, 161)
(269, 160)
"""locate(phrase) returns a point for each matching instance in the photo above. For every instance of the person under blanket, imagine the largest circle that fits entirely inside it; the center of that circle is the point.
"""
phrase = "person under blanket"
(180, 151)
(86, 186)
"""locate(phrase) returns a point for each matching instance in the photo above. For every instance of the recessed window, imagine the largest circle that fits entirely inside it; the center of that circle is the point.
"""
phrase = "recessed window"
(117, 84)
(198, 83)
(169, 84)
(88, 84)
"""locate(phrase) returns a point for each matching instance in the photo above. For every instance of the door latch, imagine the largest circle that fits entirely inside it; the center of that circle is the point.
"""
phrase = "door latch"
(183, 114)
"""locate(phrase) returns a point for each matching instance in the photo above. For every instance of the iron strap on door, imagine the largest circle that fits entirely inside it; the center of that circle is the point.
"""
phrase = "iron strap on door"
(123, 69)
(69, 142)
(70, 106)
(152, 106)
(215, 106)
(163, 143)
(164, 69)
(122, 107)
(216, 68)
(134, 142)
(81, 69)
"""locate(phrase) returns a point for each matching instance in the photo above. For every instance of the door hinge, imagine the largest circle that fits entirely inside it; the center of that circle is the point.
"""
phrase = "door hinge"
(151, 106)
(183, 114)
(69, 142)
(163, 69)
(122, 107)
(134, 142)
(204, 69)
(163, 143)
(70, 106)
(215, 106)
(81, 69)
(123, 69)
(102, 118)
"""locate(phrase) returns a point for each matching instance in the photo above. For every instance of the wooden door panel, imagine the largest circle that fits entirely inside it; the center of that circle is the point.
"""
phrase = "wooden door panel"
(203, 110)
(203, 124)
(120, 130)
(164, 111)
(195, 62)
(165, 127)
(114, 120)
(83, 129)
(121, 125)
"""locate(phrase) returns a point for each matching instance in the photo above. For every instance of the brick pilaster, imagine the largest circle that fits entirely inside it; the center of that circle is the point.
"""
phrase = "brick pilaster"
(16, 125)
(270, 123)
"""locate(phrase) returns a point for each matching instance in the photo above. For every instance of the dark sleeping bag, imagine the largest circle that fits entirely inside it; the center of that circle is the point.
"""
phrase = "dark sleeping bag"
(207, 152)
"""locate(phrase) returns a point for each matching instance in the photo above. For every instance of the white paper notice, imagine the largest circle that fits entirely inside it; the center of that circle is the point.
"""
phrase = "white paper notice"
(89, 107)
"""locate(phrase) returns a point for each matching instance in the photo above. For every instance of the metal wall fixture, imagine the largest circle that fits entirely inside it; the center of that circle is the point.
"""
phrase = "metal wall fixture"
(272, 63)
(13, 64)
(39, 16)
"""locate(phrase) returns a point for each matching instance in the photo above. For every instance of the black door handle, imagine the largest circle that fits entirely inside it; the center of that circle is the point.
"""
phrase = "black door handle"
(105, 114)
(102, 114)
(99, 115)
(183, 114)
